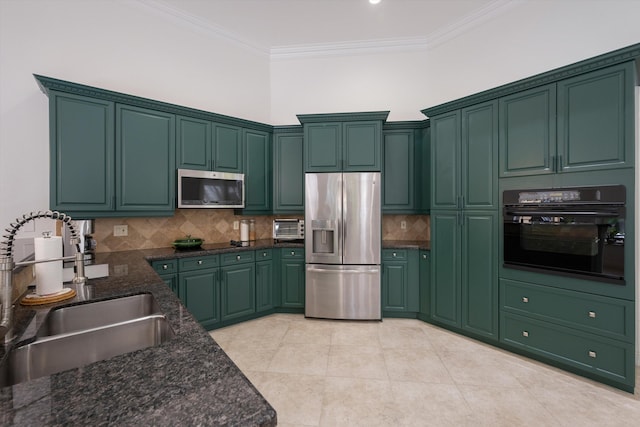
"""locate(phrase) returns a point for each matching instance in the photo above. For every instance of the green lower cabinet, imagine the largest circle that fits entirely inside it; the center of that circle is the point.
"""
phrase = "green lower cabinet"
(603, 358)
(238, 290)
(172, 282)
(400, 285)
(425, 283)
(264, 280)
(292, 275)
(200, 293)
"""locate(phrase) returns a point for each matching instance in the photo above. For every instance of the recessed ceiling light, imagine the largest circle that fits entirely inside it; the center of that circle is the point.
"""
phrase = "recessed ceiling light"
(374, 1)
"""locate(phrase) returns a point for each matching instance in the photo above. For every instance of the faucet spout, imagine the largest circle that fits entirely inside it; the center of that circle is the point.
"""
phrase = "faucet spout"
(7, 265)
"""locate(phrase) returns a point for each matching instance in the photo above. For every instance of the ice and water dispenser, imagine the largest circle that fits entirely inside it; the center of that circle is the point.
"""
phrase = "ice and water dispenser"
(323, 235)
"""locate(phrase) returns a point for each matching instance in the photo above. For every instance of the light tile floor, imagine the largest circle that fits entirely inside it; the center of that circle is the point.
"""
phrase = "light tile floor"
(404, 372)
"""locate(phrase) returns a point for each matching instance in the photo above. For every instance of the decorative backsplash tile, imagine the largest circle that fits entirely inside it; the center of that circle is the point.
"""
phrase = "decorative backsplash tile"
(216, 226)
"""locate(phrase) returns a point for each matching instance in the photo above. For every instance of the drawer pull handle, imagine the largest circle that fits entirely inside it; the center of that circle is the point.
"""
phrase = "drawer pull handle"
(165, 266)
(525, 333)
(264, 254)
(592, 354)
(293, 253)
(238, 257)
(394, 254)
(592, 314)
(424, 256)
(525, 300)
(199, 262)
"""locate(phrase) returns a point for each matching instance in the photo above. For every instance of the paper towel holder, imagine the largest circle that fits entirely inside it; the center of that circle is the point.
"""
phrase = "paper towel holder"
(7, 264)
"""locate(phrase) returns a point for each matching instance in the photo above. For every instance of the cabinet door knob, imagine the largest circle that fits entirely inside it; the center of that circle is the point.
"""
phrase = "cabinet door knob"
(592, 354)
(424, 256)
(394, 254)
(525, 333)
(264, 254)
(293, 253)
(238, 257)
(592, 314)
(199, 262)
(165, 266)
(525, 299)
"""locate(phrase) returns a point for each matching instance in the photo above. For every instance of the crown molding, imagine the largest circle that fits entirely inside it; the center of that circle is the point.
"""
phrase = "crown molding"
(196, 24)
(48, 84)
(374, 46)
(626, 54)
(343, 117)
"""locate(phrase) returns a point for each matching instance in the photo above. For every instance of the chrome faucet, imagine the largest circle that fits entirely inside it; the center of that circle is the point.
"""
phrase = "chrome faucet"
(7, 264)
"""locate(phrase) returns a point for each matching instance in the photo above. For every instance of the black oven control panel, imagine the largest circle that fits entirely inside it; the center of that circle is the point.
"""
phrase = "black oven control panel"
(611, 194)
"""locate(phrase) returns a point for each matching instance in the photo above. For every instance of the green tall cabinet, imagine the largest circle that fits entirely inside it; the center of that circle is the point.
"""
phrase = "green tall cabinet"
(464, 219)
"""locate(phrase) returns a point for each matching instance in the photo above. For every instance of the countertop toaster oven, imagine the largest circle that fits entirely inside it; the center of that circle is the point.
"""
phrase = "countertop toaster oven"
(288, 229)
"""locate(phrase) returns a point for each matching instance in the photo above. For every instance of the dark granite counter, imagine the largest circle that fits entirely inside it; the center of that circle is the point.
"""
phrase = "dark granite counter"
(187, 380)
(407, 244)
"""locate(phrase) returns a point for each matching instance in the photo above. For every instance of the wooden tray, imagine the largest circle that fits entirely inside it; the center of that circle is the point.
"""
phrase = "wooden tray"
(33, 299)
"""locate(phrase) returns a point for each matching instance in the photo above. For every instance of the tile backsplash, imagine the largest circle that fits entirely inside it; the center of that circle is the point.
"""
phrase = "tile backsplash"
(216, 226)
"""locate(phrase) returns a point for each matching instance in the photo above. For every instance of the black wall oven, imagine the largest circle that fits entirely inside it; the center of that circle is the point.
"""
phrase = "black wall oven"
(567, 231)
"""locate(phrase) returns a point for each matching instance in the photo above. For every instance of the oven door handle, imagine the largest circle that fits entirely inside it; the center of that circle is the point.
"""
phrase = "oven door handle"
(561, 213)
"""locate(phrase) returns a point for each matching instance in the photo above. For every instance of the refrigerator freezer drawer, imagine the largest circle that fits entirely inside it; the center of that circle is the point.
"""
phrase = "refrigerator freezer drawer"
(343, 292)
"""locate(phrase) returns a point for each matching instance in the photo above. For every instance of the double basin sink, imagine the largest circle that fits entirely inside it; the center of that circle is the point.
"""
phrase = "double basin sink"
(77, 335)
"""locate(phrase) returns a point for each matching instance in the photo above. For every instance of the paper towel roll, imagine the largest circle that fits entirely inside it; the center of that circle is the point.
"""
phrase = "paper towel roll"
(48, 274)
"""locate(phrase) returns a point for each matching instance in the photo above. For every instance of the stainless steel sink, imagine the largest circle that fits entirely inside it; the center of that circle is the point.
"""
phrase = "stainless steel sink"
(94, 314)
(67, 344)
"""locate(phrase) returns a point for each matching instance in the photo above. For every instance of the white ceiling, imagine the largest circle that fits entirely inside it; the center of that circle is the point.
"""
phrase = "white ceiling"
(276, 26)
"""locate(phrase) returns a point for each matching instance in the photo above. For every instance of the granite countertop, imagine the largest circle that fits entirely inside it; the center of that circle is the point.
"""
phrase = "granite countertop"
(187, 380)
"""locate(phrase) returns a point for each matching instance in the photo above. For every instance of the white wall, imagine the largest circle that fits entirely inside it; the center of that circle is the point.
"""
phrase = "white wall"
(115, 45)
(526, 39)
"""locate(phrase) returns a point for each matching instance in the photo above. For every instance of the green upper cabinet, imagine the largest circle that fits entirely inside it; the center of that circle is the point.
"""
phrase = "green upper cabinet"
(398, 178)
(342, 142)
(464, 156)
(405, 168)
(596, 119)
(578, 124)
(204, 145)
(322, 144)
(82, 150)
(193, 148)
(145, 153)
(361, 146)
(227, 149)
(288, 172)
(527, 132)
(257, 170)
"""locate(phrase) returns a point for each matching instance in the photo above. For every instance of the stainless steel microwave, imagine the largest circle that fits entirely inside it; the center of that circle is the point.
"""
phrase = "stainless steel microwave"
(207, 189)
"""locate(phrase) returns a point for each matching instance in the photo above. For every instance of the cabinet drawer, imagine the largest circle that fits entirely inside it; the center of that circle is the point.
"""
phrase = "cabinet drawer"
(167, 266)
(292, 253)
(606, 316)
(394, 255)
(264, 254)
(598, 355)
(197, 263)
(237, 257)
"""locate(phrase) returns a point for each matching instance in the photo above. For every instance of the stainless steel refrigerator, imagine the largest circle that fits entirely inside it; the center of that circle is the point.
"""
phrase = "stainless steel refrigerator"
(342, 245)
